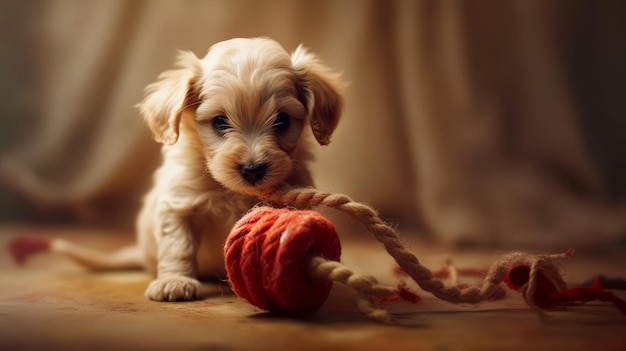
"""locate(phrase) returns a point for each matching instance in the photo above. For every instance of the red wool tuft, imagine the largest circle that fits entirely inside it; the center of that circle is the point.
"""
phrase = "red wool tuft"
(267, 258)
(21, 248)
(403, 294)
(548, 296)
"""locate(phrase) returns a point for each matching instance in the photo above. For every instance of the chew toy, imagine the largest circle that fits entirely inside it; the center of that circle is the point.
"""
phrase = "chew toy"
(541, 268)
(285, 261)
(545, 294)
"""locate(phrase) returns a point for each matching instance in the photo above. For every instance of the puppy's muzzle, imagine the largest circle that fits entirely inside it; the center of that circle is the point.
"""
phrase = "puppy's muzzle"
(253, 173)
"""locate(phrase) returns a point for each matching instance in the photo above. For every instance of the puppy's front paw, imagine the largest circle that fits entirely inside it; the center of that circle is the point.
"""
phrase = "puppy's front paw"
(174, 289)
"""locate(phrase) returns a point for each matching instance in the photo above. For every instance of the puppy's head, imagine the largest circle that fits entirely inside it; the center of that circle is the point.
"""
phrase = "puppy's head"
(251, 102)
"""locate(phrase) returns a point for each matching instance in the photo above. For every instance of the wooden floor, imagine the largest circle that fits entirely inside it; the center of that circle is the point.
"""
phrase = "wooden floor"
(51, 304)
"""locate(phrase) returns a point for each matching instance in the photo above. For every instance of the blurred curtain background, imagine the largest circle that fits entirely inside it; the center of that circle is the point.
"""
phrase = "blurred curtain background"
(473, 122)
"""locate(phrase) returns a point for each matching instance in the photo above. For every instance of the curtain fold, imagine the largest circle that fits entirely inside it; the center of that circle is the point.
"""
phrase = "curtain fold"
(469, 121)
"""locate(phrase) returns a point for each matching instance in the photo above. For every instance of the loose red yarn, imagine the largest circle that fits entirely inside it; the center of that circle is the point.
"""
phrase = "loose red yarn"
(21, 248)
(267, 258)
(548, 296)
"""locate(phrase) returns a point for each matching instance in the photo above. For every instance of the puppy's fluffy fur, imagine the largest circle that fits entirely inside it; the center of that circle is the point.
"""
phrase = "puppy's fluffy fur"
(236, 122)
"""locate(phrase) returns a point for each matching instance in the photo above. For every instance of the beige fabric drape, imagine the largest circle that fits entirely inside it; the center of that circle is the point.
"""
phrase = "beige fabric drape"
(463, 118)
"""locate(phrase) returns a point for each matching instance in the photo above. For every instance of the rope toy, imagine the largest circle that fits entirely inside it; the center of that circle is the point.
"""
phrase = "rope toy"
(285, 261)
(545, 266)
(544, 293)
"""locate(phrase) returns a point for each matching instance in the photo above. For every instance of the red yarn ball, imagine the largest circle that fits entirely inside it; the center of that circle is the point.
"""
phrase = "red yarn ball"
(267, 257)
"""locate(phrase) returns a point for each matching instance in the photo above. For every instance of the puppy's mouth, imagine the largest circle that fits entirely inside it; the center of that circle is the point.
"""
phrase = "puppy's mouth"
(253, 174)
(257, 178)
(250, 178)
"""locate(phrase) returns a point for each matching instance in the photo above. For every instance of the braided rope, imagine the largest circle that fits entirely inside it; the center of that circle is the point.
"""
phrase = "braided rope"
(366, 286)
(547, 265)
(388, 237)
(309, 197)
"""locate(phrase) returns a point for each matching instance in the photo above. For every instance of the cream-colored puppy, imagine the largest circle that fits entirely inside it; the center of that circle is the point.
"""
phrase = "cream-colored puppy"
(235, 122)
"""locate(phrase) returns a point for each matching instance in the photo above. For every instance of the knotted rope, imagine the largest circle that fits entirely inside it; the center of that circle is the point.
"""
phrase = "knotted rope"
(285, 261)
(408, 262)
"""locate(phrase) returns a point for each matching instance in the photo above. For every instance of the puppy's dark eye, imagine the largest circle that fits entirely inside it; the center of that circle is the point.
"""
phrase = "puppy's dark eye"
(220, 123)
(282, 122)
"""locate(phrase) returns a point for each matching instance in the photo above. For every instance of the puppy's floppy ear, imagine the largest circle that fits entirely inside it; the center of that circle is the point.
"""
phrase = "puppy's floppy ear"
(321, 91)
(167, 98)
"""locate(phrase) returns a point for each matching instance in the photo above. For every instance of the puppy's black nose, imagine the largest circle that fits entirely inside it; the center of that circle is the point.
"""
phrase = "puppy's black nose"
(253, 172)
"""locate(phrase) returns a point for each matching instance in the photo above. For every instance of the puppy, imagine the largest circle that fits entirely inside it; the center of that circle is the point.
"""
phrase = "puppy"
(237, 122)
